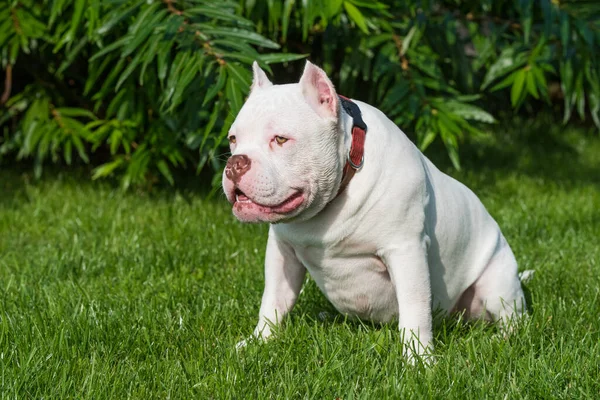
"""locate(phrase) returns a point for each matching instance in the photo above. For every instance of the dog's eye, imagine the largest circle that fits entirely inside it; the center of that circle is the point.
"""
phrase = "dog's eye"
(231, 139)
(280, 140)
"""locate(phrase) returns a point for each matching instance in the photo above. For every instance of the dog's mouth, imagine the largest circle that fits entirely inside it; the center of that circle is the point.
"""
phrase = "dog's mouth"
(241, 196)
(287, 206)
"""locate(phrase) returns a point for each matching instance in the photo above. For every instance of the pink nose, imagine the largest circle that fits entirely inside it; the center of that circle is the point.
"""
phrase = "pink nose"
(236, 167)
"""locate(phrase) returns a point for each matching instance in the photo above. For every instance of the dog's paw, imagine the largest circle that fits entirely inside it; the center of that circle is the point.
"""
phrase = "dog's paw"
(416, 353)
(526, 275)
(252, 339)
(325, 316)
(242, 344)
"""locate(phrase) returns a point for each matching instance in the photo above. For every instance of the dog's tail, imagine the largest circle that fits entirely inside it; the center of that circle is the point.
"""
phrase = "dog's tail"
(526, 275)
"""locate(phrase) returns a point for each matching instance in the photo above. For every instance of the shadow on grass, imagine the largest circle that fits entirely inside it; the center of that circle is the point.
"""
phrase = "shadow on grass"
(539, 148)
(13, 183)
(447, 328)
(314, 307)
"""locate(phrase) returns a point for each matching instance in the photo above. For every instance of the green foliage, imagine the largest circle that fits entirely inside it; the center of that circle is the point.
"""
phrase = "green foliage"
(140, 87)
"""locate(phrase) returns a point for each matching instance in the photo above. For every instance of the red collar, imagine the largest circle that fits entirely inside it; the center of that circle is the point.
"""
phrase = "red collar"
(356, 155)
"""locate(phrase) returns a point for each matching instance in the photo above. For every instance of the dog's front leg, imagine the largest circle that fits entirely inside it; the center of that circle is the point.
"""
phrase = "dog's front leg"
(406, 261)
(284, 275)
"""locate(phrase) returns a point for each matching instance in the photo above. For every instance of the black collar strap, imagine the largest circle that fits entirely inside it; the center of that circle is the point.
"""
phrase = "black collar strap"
(356, 155)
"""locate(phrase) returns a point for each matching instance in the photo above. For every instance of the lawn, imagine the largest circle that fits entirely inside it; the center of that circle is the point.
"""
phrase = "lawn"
(107, 295)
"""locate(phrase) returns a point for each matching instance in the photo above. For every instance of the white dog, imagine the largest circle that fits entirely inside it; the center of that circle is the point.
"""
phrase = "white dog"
(384, 234)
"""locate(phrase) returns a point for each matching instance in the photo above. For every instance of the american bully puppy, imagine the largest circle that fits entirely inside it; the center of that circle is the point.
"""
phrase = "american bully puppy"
(350, 199)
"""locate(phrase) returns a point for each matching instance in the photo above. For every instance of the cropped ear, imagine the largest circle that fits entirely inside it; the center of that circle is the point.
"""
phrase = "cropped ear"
(260, 79)
(319, 91)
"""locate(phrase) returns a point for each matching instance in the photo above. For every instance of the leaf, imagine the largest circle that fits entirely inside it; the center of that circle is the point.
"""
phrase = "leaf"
(241, 75)
(234, 96)
(130, 68)
(506, 62)
(369, 4)
(138, 166)
(530, 84)
(217, 13)
(44, 144)
(540, 79)
(274, 58)
(115, 140)
(140, 21)
(506, 82)
(94, 72)
(76, 112)
(469, 112)
(179, 63)
(356, 16)
(117, 16)
(566, 75)
(436, 85)
(140, 36)
(164, 170)
(106, 169)
(186, 75)
(150, 54)
(80, 148)
(373, 41)
(79, 8)
(228, 56)
(163, 58)
(29, 25)
(215, 88)
(517, 88)
(56, 10)
(407, 40)
(240, 34)
(111, 47)
(211, 123)
(429, 137)
(307, 11)
(426, 63)
(238, 45)
(287, 11)
(116, 103)
(72, 54)
(450, 142)
(526, 6)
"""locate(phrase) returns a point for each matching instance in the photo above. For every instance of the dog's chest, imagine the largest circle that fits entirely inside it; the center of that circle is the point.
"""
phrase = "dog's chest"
(353, 278)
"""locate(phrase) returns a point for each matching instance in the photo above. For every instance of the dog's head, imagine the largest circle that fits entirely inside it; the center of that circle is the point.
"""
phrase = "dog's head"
(286, 149)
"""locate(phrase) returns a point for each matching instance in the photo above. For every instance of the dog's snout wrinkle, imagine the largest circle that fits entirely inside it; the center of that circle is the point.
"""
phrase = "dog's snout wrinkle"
(237, 166)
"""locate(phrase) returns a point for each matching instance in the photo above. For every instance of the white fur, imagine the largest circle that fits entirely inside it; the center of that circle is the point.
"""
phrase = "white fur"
(402, 238)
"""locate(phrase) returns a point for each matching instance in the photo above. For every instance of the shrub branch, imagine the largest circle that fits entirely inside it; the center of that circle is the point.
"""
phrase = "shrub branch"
(7, 85)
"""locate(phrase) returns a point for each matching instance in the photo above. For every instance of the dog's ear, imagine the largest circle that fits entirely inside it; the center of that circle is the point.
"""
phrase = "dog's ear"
(260, 79)
(319, 91)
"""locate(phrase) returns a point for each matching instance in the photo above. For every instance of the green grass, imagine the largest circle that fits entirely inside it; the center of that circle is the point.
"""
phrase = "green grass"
(107, 295)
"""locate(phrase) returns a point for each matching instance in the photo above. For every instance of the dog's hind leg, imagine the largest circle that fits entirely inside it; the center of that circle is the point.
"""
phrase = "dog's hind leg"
(497, 294)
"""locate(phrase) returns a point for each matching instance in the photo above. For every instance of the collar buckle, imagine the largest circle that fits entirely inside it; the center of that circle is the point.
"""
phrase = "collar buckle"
(354, 166)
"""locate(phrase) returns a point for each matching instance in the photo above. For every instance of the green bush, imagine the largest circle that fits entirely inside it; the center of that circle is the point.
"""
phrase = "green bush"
(140, 87)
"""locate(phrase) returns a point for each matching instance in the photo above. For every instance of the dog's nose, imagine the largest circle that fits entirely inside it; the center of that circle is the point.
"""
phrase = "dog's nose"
(237, 166)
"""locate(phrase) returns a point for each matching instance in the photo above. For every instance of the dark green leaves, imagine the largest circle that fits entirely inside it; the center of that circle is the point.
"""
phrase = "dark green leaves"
(356, 16)
(508, 60)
